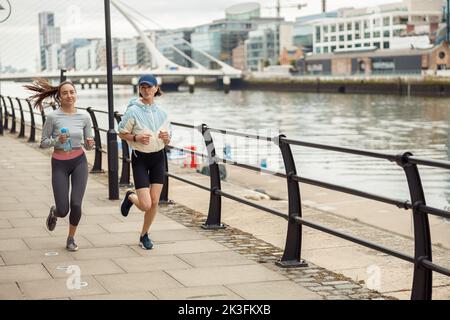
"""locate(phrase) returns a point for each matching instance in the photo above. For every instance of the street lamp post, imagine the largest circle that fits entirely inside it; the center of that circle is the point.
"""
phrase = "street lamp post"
(447, 18)
(113, 161)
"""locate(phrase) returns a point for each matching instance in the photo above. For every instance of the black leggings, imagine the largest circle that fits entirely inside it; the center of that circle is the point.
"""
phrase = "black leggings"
(77, 169)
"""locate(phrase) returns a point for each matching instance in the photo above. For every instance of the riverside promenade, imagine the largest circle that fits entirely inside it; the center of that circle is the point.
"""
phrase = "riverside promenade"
(187, 262)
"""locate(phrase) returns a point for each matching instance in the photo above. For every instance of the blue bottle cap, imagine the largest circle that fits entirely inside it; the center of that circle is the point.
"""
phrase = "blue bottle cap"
(64, 130)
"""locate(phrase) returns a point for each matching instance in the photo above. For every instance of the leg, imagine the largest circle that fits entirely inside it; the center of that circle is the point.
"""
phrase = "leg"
(155, 193)
(142, 199)
(79, 179)
(60, 184)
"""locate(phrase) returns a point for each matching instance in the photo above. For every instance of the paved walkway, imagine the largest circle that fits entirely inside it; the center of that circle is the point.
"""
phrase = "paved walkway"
(184, 264)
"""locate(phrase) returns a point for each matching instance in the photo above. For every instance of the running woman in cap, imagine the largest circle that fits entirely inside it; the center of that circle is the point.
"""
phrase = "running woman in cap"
(145, 127)
(64, 130)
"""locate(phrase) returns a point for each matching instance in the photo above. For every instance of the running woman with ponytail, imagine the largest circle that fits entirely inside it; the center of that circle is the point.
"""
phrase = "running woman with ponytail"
(64, 130)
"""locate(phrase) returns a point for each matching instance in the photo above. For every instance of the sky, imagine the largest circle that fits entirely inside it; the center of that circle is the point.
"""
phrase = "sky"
(19, 35)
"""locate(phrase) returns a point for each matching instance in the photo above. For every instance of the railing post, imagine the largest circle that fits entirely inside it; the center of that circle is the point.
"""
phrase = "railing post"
(43, 116)
(1, 115)
(293, 247)
(97, 168)
(164, 197)
(22, 120)
(33, 124)
(215, 201)
(126, 160)
(5, 126)
(422, 279)
(13, 115)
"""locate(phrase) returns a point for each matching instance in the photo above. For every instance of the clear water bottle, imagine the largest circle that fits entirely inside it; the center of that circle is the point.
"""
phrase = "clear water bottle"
(68, 145)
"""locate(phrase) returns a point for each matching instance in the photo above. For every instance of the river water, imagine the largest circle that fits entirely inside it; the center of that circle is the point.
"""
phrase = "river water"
(387, 123)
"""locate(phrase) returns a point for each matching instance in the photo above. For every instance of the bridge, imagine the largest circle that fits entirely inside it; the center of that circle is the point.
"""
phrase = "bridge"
(168, 72)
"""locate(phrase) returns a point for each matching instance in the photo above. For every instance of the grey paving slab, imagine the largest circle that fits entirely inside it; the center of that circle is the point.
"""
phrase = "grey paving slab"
(16, 233)
(57, 288)
(81, 230)
(196, 293)
(23, 273)
(137, 282)
(87, 267)
(273, 290)
(8, 199)
(144, 295)
(2, 263)
(55, 242)
(13, 245)
(209, 259)
(112, 209)
(146, 264)
(104, 253)
(23, 206)
(4, 223)
(178, 247)
(113, 239)
(34, 256)
(224, 275)
(98, 219)
(4, 215)
(32, 222)
(137, 225)
(174, 235)
(10, 291)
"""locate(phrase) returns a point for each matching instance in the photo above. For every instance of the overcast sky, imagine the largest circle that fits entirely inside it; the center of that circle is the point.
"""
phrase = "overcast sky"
(19, 35)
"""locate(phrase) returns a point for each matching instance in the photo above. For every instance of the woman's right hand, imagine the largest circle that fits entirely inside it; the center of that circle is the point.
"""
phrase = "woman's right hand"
(62, 138)
(143, 138)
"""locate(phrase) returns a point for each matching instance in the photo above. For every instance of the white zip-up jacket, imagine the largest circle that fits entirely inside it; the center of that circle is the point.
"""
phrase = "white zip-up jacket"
(140, 118)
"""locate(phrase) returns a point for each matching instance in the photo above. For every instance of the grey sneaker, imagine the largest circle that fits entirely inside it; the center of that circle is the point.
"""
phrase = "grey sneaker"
(71, 245)
(51, 219)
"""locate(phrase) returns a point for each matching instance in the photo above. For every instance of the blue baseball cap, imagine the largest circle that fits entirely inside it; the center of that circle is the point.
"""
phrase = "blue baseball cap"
(148, 79)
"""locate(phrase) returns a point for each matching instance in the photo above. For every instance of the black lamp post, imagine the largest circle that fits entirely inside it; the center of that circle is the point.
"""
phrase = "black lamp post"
(5, 12)
(113, 160)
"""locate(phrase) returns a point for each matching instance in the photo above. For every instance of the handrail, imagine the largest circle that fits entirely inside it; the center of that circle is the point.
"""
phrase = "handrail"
(422, 260)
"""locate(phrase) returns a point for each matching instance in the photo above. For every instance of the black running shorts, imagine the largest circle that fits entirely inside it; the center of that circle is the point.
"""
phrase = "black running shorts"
(148, 168)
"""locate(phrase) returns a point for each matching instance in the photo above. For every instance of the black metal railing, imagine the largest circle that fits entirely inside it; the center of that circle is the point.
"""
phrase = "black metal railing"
(422, 259)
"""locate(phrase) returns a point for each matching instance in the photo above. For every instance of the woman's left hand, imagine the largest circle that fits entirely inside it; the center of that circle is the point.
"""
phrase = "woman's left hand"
(164, 136)
(90, 142)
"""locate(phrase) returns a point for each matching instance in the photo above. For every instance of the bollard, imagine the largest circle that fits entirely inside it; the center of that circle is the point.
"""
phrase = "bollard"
(97, 168)
(193, 159)
(33, 123)
(191, 83)
(22, 120)
(5, 125)
(126, 160)
(293, 247)
(226, 84)
(13, 116)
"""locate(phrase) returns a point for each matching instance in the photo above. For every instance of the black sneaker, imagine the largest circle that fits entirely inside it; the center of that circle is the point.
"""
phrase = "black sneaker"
(145, 242)
(126, 204)
(51, 219)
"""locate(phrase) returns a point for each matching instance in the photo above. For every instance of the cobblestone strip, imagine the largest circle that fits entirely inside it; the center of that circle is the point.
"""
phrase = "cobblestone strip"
(328, 284)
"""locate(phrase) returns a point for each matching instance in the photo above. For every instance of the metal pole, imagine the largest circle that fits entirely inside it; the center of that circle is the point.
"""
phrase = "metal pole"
(113, 153)
(62, 77)
(447, 19)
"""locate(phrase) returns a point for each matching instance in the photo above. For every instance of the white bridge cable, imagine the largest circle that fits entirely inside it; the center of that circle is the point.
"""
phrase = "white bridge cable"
(173, 47)
(225, 67)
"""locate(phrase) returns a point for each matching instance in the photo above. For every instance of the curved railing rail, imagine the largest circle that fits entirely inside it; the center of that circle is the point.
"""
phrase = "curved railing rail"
(422, 259)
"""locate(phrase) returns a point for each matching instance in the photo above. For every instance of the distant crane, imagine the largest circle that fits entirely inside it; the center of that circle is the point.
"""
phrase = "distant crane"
(279, 6)
(324, 6)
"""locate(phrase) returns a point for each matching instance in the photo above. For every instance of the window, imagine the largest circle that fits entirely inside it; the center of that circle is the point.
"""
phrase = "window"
(333, 48)
(333, 28)
(325, 50)
(376, 34)
(341, 27)
(349, 37)
(357, 25)
(386, 34)
(376, 22)
(318, 34)
(318, 50)
(367, 35)
(333, 39)
(358, 45)
(386, 45)
(325, 29)
(357, 36)
(377, 44)
(366, 44)
(325, 39)
(349, 26)
(342, 47)
(341, 38)
(386, 21)
(397, 33)
(366, 24)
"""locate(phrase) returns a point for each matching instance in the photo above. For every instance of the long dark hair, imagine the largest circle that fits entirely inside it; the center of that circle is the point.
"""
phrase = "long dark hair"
(42, 90)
